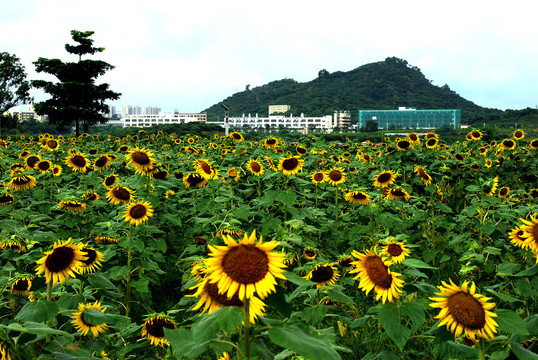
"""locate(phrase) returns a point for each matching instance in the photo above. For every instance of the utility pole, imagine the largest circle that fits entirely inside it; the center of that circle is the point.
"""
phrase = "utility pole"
(226, 114)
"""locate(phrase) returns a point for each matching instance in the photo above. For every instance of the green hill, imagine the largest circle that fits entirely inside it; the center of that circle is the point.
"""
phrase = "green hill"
(382, 85)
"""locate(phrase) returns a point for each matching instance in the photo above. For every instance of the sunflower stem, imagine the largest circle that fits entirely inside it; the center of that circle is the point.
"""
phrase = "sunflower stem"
(481, 349)
(127, 284)
(247, 328)
(49, 298)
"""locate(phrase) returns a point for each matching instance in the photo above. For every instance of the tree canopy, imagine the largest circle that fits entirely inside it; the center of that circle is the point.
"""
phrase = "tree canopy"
(76, 97)
(13, 84)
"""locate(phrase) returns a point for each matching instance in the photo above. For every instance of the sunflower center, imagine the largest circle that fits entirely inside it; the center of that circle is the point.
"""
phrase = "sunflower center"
(534, 233)
(384, 177)
(43, 165)
(102, 161)
(78, 161)
(318, 177)
(6, 199)
(378, 272)
(21, 285)
(309, 252)
(155, 327)
(359, 196)
(193, 179)
(138, 211)
(31, 161)
(290, 164)
(508, 143)
(466, 310)
(322, 274)
(397, 193)
(53, 144)
(270, 141)
(394, 249)
(206, 168)
(335, 175)
(21, 180)
(245, 264)
(213, 291)
(140, 158)
(301, 150)
(121, 193)
(60, 259)
(110, 180)
(404, 144)
(503, 191)
(90, 254)
(255, 167)
(237, 136)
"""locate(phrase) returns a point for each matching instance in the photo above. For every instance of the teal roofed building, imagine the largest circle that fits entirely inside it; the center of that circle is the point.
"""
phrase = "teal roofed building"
(410, 118)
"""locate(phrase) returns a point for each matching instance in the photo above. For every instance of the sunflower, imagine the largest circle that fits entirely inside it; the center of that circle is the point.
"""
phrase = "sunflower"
(475, 135)
(397, 194)
(93, 151)
(345, 261)
(290, 165)
(309, 253)
(141, 159)
(229, 231)
(119, 194)
(73, 205)
(154, 328)
(225, 356)
(106, 240)
(374, 274)
(14, 243)
(212, 300)
(102, 162)
(169, 193)
(426, 178)
(21, 182)
(6, 199)
(137, 213)
(490, 186)
(56, 170)
(80, 323)
(518, 237)
(504, 192)
(123, 148)
(431, 143)
(322, 275)
(335, 176)
(396, 251)
(204, 168)
(31, 161)
(474, 167)
(358, 197)
(43, 166)
(318, 177)
(413, 137)
(301, 150)
(488, 163)
(21, 284)
(459, 157)
(245, 267)
(78, 162)
(271, 142)
(234, 173)
(384, 178)
(508, 144)
(90, 196)
(110, 180)
(52, 144)
(93, 260)
(60, 263)
(194, 179)
(530, 227)
(464, 311)
(236, 136)
(4, 354)
(533, 144)
(255, 167)
(403, 145)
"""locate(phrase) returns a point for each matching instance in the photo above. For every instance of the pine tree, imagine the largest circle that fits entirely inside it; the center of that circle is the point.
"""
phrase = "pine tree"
(76, 97)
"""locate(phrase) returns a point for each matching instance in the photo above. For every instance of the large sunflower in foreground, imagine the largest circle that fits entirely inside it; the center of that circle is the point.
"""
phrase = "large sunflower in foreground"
(61, 263)
(119, 194)
(358, 197)
(290, 165)
(255, 167)
(80, 323)
(78, 162)
(245, 267)
(212, 300)
(154, 328)
(4, 354)
(384, 178)
(464, 311)
(21, 182)
(322, 275)
(137, 213)
(141, 159)
(335, 176)
(374, 274)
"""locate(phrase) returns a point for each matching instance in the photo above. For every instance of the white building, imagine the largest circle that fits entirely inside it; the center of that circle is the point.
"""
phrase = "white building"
(151, 110)
(272, 109)
(301, 122)
(162, 119)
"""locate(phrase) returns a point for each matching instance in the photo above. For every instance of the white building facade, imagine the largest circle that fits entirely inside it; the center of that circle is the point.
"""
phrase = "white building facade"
(162, 119)
(289, 122)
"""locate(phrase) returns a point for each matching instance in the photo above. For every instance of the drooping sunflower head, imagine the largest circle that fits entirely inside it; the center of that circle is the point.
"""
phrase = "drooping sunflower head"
(73, 205)
(397, 193)
(374, 274)
(21, 285)
(290, 165)
(464, 311)
(106, 240)
(154, 326)
(424, 176)
(82, 325)
(78, 162)
(395, 251)
(93, 259)
(358, 197)
(60, 263)
(228, 230)
(323, 275)
(335, 176)
(489, 187)
(384, 178)
(141, 159)
(310, 253)
(137, 213)
(21, 182)
(245, 267)
(15, 243)
(119, 194)
(255, 167)
(194, 179)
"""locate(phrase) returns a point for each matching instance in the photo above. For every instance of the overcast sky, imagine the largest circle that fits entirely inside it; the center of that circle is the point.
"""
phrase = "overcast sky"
(189, 55)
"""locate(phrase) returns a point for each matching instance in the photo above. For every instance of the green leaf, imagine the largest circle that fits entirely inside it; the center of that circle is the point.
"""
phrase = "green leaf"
(226, 319)
(459, 351)
(70, 301)
(510, 322)
(297, 280)
(287, 197)
(303, 343)
(415, 263)
(508, 268)
(38, 311)
(184, 343)
(96, 317)
(339, 296)
(98, 280)
(533, 270)
(360, 321)
(522, 353)
(391, 318)
(427, 288)
(315, 314)
(140, 285)
(503, 297)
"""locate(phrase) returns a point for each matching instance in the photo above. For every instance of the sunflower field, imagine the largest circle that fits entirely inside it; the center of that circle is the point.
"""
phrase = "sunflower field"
(155, 246)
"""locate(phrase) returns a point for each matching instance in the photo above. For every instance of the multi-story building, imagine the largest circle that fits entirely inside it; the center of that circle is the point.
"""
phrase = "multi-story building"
(411, 118)
(275, 109)
(277, 121)
(22, 115)
(341, 119)
(151, 110)
(161, 119)
(131, 110)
